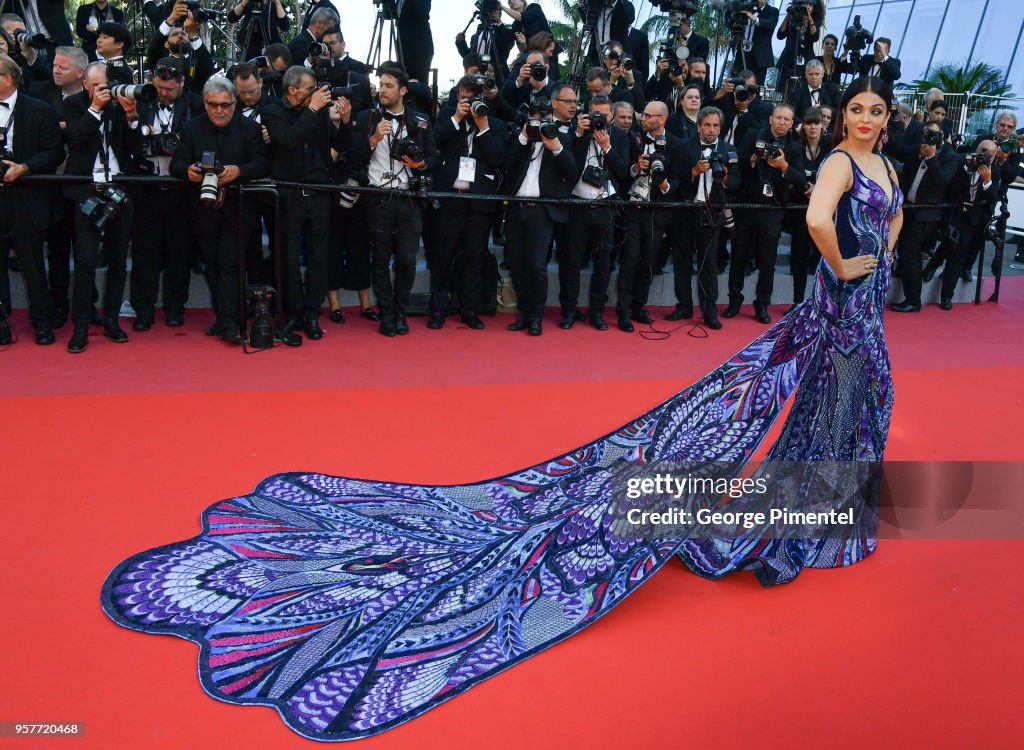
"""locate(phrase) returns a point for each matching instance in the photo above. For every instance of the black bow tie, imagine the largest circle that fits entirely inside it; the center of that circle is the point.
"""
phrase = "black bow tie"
(389, 116)
(5, 104)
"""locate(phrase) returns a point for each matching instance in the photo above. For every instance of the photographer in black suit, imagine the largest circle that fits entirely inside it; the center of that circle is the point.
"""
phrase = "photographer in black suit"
(880, 65)
(101, 144)
(698, 47)
(179, 37)
(31, 144)
(813, 91)
(396, 146)
(801, 28)
(614, 17)
(239, 155)
(33, 65)
(415, 39)
(711, 171)
(742, 108)
(69, 65)
(772, 166)
(260, 23)
(320, 22)
(337, 69)
(530, 81)
(974, 189)
(304, 125)
(601, 152)
(491, 39)
(923, 181)
(539, 164)
(161, 242)
(1008, 149)
(756, 53)
(88, 19)
(471, 148)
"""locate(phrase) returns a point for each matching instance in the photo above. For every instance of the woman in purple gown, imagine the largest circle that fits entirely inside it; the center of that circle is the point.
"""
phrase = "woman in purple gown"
(352, 606)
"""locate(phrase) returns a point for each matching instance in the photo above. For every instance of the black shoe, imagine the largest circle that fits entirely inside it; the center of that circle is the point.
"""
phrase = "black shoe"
(732, 309)
(436, 321)
(568, 321)
(597, 321)
(761, 313)
(286, 334)
(113, 331)
(370, 314)
(174, 319)
(44, 334)
(401, 325)
(95, 319)
(642, 316)
(624, 324)
(946, 304)
(230, 335)
(313, 330)
(928, 274)
(905, 306)
(337, 316)
(535, 327)
(519, 324)
(142, 323)
(5, 331)
(711, 319)
(387, 327)
(60, 316)
(213, 330)
(473, 321)
(966, 275)
(79, 339)
(680, 313)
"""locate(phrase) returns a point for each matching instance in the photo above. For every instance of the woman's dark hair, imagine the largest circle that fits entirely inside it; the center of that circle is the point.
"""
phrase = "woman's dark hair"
(833, 37)
(861, 85)
(811, 116)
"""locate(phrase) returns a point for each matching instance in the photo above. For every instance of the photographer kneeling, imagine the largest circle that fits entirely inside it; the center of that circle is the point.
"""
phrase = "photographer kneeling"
(216, 149)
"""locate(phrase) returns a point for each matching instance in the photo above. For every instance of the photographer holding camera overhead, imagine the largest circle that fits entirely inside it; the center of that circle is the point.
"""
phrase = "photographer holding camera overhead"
(101, 144)
(759, 20)
(178, 37)
(800, 28)
(396, 146)
(216, 150)
(260, 22)
(304, 125)
(492, 40)
(88, 19)
(621, 68)
(30, 143)
(160, 240)
(772, 166)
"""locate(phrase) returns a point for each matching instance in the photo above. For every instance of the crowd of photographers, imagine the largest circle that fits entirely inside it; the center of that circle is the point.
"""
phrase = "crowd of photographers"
(528, 126)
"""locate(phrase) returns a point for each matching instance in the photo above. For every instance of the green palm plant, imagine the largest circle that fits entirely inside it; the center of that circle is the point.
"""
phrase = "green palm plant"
(986, 83)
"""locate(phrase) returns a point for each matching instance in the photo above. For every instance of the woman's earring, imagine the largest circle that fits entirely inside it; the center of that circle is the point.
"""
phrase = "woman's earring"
(885, 136)
(844, 131)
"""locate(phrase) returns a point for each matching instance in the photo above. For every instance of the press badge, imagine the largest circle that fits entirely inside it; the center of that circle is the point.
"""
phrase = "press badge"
(100, 175)
(467, 168)
(768, 192)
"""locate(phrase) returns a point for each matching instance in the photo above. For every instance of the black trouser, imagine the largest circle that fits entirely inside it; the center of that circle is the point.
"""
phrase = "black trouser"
(310, 212)
(915, 236)
(528, 233)
(644, 227)
(219, 248)
(757, 237)
(17, 231)
(348, 258)
(959, 253)
(592, 228)
(58, 245)
(115, 245)
(692, 237)
(162, 239)
(803, 256)
(460, 227)
(396, 222)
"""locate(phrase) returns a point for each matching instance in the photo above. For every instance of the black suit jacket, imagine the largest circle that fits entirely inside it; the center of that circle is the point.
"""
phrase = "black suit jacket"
(755, 118)
(37, 144)
(958, 191)
(621, 18)
(502, 42)
(488, 150)
(616, 161)
(938, 172)
(83, 138)
(110, 13)
(800, 98)
(674, 173)
(414, 31)
(699, 46)
(239, 144)
(291, 130)
(890, 70)
(417, 125)
(516, 95)
(784, 184)
(265, 28)
(299, 46)
(51, 13)
(761, 52)
(691, 151)
(557, 177)
(637, 46)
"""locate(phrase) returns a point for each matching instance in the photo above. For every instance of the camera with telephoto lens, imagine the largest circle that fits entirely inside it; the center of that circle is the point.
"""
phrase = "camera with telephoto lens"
(21, 36)
(799, 6)
(657, 160)
(741, 91)
(740, 6)
(477, 103)
(719, 164)
(932, 137)
(549, 129)
(209, 190)
(407, 147)
(538, 71)
(595, 176)
(104, 206)
(348, 199)
(144, 92)
(857, 37)
(202, 15)
(157, 144)
(349, 92)
(598, 121)
(979, 159)
(261, 334)
(317, 49)
(768, 150)
(676, 69)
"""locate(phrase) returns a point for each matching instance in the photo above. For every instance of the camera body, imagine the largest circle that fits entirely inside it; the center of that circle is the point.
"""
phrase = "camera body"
(143, 92)
(720, 164)
(598, 121)
(421, 184)
(317, 49)
(209, 190)
(202, 15)
(932, 137)
(104, 206)
(407, 147)
(477, 103)
(979, 159)
(485, 7)
(5, 149)
(538, 71)
(768, 150)
(158, 144)
(595, 176)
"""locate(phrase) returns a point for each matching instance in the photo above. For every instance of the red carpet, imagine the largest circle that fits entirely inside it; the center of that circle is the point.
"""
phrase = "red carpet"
(119, 449)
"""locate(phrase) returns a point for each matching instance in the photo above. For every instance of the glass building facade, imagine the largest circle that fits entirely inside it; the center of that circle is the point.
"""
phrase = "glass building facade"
(929, 32)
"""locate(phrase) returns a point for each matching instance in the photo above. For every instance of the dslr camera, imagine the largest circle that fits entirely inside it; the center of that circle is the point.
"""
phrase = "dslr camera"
(598, 121)
(477, 103)
(4, 148)
(623, 60)
(768, 150)
(595, 176)
(932, 137)
(104, 206)
(720, 164)
(741, 91)
(209, 190)
(407, 147)
(979, 159)
(157, 144)
(538, 71)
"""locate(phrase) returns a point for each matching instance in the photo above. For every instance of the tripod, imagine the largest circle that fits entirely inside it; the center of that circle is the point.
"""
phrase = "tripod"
(582, 49)
(388, 12)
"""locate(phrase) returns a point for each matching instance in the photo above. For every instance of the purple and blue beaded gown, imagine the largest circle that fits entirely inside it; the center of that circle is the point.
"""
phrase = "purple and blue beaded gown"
(352, 606)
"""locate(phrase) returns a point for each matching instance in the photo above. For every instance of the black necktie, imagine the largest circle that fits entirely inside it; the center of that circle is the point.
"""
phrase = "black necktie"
(815, 93)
